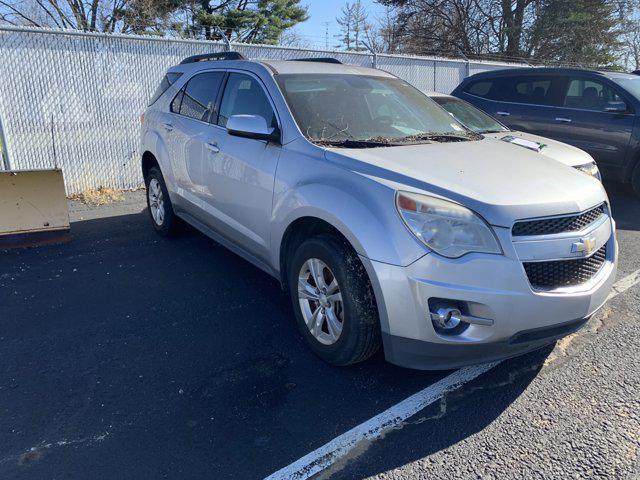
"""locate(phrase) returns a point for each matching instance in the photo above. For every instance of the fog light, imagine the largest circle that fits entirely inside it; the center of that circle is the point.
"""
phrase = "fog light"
(446, 318)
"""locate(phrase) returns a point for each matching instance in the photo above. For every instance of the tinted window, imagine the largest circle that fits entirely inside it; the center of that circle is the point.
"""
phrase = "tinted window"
(529, 89)
(482, 88)
(199, 97)
(168, 80)
(587, 94)
(244, 95)
(470, 116)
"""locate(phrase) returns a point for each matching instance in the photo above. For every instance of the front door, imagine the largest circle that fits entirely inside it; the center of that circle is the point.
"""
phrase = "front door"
(239, 173)
(584, 121)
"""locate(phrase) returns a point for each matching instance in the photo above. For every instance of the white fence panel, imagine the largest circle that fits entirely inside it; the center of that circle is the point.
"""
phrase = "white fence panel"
(73, 100)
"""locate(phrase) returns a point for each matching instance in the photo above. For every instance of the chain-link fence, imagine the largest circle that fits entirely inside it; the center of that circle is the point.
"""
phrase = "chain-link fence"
(73, 100)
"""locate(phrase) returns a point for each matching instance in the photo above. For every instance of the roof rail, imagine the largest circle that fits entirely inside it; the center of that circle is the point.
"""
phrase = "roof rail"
(317, 59)
(214, 56)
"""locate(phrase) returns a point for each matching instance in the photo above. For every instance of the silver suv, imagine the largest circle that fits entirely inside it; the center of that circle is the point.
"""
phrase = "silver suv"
(387, 221)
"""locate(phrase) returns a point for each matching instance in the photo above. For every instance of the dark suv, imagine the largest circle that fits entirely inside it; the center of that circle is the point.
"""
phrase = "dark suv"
(595, 111)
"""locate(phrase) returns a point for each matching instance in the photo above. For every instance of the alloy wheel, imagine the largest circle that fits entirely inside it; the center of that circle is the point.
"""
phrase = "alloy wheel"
(320, 300)
(156, 201)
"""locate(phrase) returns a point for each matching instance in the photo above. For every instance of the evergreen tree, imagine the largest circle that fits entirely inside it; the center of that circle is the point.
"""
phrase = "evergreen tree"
(576, 32)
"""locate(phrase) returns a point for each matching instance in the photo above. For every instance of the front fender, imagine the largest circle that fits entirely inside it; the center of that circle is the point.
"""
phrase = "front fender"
(366, 216)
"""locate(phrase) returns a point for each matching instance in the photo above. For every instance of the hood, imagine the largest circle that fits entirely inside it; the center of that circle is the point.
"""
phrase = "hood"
(561, 152)
(495, 179)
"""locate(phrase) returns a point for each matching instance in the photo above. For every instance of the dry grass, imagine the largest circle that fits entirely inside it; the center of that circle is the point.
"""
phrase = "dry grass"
(102, 196)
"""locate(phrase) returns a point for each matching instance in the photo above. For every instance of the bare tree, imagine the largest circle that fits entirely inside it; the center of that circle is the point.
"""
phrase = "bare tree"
(87, 15)
(353, 26)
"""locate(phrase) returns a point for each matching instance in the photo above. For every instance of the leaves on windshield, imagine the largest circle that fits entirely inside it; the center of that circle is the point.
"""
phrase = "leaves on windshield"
(428, 137)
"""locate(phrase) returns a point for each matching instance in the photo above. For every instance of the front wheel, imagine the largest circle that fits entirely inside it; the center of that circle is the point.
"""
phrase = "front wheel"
(333, 301)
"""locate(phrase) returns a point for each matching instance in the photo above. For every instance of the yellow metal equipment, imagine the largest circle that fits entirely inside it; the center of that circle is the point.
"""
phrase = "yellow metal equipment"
(33, 208)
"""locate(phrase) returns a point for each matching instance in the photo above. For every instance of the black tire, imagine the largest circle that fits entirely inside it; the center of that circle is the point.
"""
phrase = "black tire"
(360, 337)
(169, 224)
(635, 180)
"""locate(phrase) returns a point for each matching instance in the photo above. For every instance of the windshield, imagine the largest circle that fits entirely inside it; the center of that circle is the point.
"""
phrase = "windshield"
(365, 111)
(630, 83)
(470, 116)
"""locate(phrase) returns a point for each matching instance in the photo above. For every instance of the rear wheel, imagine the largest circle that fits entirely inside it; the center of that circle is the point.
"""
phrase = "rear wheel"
(333, 301)
(159, 205)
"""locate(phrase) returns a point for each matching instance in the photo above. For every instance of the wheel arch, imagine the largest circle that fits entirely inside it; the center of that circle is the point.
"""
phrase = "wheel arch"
(148, 162)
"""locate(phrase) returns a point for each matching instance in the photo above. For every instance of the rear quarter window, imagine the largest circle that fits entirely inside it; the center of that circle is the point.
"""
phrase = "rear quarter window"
(483, 89)
(168, 80)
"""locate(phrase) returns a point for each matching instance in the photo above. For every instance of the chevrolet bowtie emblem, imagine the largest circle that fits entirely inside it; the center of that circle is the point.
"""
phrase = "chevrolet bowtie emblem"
(585, 246)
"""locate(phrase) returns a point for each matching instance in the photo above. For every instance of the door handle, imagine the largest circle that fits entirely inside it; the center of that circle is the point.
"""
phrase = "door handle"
(167, 126)
(212, 147)
(563, 119)
(503, 114)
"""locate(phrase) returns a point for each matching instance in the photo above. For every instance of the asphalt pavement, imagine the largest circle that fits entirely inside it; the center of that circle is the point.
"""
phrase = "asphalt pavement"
(130, 356)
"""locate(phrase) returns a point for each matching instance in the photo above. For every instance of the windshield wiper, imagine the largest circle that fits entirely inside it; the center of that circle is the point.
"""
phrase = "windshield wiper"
(439, 137)
(349, 143)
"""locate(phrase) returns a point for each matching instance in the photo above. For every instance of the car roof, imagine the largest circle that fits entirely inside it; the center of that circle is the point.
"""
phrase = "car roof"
(318, 66)
(547, 71)
(301, 67)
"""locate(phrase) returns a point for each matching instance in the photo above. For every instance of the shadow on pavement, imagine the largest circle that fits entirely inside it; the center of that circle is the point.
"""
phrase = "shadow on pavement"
(128, 355)
(625, 205)
(459, 415)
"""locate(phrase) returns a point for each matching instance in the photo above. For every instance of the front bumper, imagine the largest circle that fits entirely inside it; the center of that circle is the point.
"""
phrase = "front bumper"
(493, 287)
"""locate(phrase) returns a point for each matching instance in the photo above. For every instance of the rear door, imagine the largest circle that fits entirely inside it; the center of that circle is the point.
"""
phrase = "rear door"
(583, 120)
(528, 103)
(190, 123)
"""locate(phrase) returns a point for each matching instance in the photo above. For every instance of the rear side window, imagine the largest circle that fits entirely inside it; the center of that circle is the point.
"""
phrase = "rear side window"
(198, 98)
(168, 80)
(529, 89)
(244, 95)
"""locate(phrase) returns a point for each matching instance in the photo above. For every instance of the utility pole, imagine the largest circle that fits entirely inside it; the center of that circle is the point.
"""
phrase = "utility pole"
(326, 35)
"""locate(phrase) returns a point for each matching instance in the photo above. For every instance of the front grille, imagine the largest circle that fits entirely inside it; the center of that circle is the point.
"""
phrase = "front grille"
(548, 226)
(564, 273)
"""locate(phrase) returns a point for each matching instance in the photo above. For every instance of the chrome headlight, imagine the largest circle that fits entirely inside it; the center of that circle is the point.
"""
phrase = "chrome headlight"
(590, 169)
(447, 228)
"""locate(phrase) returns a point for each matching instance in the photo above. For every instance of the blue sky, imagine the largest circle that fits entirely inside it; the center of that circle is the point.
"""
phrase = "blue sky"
(321, 11)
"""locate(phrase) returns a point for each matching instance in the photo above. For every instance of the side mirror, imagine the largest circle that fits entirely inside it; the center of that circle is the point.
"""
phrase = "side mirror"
(619, 107)
(252, 126)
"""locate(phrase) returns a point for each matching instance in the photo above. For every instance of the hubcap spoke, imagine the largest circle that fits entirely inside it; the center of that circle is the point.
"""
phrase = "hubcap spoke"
(332, 287)
(316, 268)
(336, 297)
(306, 291)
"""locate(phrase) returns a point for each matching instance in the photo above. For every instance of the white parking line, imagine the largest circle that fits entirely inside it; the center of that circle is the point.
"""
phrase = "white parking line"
(329, 453)
(624, 284)
(326, 455)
